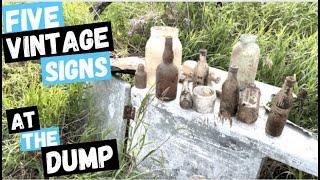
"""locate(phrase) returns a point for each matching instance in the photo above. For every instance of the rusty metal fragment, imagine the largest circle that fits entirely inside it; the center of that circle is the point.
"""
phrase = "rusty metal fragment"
(249, 104)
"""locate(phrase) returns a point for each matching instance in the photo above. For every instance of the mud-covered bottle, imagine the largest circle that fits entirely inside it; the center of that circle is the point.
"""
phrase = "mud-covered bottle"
(280, 108)
(167, 74)
(201, 71)
(230, 94)
(185, 97)
(140, 77)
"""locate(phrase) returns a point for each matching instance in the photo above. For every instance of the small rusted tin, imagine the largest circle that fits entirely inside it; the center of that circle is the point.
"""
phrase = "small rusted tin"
(140, 77)
(249, 100)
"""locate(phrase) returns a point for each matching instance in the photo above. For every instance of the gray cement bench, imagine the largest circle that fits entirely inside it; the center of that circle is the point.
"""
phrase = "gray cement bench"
(190, 143)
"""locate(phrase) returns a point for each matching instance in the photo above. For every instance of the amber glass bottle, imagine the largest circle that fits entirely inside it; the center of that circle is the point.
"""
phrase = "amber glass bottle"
(167, 75)
(280, 108)
(230, 94)
(140, 77)
(201, 72)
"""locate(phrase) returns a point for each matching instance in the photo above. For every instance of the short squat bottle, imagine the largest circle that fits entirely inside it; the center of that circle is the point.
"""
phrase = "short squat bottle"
(186, 97)
(167, 75)
(245, 55)
(140, 77)
(230, 94)
(280, 108)
(249, 103)
(201, 71)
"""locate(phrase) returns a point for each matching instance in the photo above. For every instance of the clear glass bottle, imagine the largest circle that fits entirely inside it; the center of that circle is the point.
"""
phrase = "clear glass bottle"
(245, 55)
(201, 72)
(155, 47)
(167, 74)
(230, 94)
(280, 108)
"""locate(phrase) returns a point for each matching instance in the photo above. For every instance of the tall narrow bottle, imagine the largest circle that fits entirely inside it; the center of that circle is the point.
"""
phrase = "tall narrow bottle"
(167, 75)
(140, 77)
(280, 108)
(201, 72)
(230, 94)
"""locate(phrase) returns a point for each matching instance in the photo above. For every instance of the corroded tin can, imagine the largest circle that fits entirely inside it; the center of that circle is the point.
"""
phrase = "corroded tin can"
(245, 55)
(140, 77)
(280, 108)
(167, 75)
(249, 102)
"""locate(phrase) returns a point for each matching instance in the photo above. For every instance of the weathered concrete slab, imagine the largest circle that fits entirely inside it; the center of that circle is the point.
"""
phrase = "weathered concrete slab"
(200, 144)
(110, 97)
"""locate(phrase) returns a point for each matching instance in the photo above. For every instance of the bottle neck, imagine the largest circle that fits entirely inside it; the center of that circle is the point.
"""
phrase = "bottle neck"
(202, 58)
(232, 75)
(287, 90)
(168, 52)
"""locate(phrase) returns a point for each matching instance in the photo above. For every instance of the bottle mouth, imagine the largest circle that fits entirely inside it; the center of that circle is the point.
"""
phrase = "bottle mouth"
(233, 69)
(204, 92)
(290, 81)
(164, 31)
(248, 38)
(203, 52)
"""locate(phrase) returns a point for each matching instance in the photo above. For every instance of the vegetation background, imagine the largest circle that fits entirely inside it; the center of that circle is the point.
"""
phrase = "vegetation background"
(287, 36)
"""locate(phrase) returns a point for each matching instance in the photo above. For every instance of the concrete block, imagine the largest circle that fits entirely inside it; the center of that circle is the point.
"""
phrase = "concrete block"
(189, 144)
(110, 97)
(201, 144)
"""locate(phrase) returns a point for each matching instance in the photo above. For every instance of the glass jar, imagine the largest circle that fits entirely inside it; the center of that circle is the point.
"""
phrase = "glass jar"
(245, 55)
(155, 47)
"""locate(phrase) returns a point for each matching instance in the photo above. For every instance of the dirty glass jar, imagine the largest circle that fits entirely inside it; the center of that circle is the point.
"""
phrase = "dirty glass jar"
(245, 55)
(155, 47)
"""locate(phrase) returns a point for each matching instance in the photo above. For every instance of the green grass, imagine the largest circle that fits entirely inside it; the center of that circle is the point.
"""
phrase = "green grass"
(287, 35)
